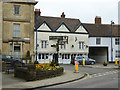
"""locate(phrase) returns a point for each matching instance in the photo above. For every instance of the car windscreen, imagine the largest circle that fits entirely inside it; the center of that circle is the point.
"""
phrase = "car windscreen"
(78, 57)
(8, 57)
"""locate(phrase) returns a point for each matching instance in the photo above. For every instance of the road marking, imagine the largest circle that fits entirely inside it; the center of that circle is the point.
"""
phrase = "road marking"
(103, 74)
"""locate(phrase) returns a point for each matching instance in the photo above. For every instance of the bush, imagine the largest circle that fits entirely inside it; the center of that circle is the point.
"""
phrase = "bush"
(36, 62)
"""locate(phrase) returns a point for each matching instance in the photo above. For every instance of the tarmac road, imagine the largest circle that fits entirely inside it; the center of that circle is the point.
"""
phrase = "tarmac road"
(98, 78)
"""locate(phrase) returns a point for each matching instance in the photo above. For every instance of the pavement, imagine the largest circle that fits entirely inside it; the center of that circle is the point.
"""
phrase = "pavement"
(9, 81)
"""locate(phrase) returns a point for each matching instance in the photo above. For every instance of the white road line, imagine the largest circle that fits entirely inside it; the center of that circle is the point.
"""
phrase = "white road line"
(103, 74)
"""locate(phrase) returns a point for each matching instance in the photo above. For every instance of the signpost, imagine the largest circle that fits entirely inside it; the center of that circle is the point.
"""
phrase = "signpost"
(58, 38)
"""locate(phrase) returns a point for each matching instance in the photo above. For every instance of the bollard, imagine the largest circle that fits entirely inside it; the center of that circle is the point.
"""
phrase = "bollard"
(116, 62)
(76, 66)
(83, 61)
(119, 63)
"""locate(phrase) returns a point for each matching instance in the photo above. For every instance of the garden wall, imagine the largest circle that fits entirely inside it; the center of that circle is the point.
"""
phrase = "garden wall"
(30, 73)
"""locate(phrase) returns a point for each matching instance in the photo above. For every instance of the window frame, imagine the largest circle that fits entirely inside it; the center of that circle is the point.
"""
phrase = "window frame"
(98, 41)
(117, 41)
(117, 54)
(16, 30)
(16, 9)
(81, 45)
(43, 44)
(63, 46)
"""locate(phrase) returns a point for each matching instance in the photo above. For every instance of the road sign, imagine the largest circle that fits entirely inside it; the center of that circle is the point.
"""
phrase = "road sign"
(54, 46)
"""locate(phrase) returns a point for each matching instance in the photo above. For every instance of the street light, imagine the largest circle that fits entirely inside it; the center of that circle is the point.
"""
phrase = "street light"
(111, 42)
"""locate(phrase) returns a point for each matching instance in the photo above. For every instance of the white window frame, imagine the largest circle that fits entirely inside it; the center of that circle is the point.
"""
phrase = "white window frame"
(81, 45)
(98, 41)
(43, 44)
(117, 41)
(63, 46)
(117, 54)
(16, 30)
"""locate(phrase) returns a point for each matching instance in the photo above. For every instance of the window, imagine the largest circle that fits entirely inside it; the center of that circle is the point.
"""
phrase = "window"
(81, 45)
(39, 56)
(16, 30)
(64, 45)
(117, 41)
(10, 49)
(117, 54)
(16, 9)
(43, 44)
(98, 40)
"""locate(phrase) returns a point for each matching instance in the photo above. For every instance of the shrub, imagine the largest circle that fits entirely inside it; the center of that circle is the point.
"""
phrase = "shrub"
(28, 54)
(36, 62)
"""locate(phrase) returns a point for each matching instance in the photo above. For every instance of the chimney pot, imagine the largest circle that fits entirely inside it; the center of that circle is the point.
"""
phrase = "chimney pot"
(37, 12)
(97, 20)
(63, 15)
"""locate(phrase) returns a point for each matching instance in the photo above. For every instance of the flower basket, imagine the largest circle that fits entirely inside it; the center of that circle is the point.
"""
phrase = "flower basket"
(105, 64)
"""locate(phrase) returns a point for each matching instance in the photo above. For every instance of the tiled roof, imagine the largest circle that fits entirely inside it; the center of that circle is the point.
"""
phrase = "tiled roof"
(55, 22)
(102, 30)
(21, 1)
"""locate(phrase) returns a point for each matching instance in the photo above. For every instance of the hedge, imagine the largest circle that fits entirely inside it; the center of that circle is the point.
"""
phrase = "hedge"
(30, 73)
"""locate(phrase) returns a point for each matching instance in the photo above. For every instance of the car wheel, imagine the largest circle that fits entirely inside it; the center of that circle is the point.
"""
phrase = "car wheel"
(92, 63)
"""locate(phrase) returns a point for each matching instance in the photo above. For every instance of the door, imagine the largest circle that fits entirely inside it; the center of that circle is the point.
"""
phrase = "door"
(17, 51)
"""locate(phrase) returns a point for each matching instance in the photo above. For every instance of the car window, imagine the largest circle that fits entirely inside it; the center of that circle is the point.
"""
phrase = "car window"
(8, 57)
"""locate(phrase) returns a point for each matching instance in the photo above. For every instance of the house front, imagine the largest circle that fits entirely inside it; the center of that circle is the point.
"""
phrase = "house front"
(100, 47)
(17, 27)
(72, 36)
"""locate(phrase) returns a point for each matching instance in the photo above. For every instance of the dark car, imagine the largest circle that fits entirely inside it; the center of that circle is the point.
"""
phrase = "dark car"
(10, 59)
(87, 60)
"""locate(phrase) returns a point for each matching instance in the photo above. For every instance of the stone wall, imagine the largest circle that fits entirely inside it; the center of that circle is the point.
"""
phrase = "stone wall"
(1, 27)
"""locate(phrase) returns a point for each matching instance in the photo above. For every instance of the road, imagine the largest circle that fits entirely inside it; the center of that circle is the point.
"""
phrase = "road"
(98, 78)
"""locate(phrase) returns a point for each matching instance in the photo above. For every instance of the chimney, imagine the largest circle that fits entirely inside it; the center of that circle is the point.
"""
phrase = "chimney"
(37, 12)
(63, 15)
(97, 20)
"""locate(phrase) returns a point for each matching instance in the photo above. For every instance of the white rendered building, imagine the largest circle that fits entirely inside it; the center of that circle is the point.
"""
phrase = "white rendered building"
(75, 42)
(100, 41)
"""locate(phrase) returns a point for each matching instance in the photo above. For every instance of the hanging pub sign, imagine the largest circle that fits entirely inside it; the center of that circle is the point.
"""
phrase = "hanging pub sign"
(61, 38)
(55, 37)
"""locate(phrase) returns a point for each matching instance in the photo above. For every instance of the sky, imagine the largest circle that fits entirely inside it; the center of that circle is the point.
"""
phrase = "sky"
(85, 10)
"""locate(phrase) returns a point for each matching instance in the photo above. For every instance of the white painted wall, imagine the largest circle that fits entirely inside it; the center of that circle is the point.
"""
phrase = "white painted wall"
(71, 41)
(105, 42)
(44, 27)
(63, 28)
(81, 29)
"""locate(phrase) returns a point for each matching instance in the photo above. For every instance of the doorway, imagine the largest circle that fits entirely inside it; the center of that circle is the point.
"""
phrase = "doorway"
(17, 51)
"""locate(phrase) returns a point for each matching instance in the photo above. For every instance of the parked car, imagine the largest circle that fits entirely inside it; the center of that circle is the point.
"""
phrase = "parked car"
(87, 60)
(9, 59)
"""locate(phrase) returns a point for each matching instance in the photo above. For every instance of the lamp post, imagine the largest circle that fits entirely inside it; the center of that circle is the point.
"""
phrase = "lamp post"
(111, 42)
(36, 37)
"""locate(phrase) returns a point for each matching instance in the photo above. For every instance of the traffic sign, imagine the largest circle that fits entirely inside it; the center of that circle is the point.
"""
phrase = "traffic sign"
(54, 46)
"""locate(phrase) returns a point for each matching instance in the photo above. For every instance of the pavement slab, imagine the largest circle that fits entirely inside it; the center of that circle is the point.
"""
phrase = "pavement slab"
(9, 81)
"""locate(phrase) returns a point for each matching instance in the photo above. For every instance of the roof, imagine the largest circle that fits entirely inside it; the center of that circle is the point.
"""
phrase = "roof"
(55, 22)
(102, 30)
(20, 1)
